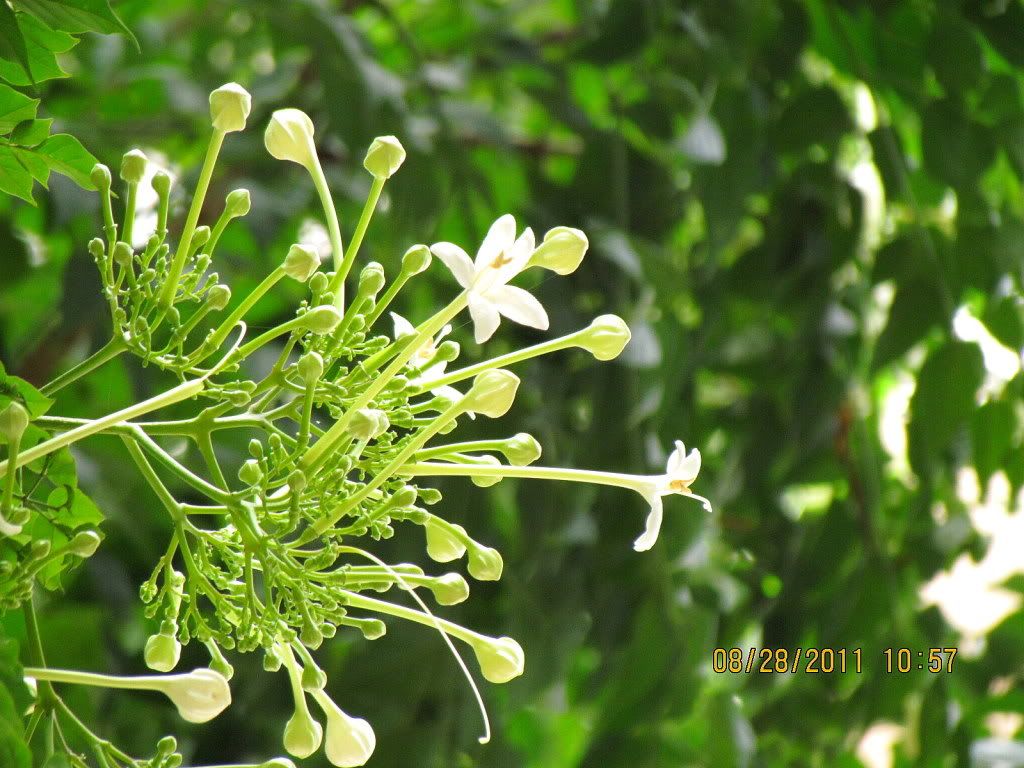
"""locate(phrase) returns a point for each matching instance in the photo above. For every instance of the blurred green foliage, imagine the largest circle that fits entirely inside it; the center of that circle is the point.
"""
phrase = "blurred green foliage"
(789, 201)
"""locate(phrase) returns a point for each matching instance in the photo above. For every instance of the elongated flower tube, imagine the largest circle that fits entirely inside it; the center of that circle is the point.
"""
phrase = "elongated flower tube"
(349, 741)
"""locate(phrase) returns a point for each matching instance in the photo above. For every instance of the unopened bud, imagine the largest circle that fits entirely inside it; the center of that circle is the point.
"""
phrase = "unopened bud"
(84, 544)
(218, 297)
(350, 741)
(367, 423)
(310, 368)
(289, 136)
(162, 652)
(486, 481)
(229, 107)
(605, 337)
(123, 254)
(301, 262)
(501, 659)
(522, 449)
(450, 589)
(14, 421)
(133, 166)
(201, 236)
(492, 393)
(561, 251)
(371, 279)
(237, 203)
(443, 545)
(322, 319)
(100, 177)
(385, 156)
(200, 695)
(484, 564)
(161, 183)
(302, 734)
(416, 259)
(250, 472)
(313, 678)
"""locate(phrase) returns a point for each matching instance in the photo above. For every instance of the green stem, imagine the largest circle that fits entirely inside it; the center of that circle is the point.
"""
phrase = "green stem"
(209, 346)
(103, 355)
(342, 270)
(357, 600)
(185, 243)
(12, 477)
(333, 227)
(637, 483)
(503, 361)
(129, 212)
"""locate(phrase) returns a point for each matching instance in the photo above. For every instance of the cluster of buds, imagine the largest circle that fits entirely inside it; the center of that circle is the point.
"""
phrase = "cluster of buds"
(277, 557)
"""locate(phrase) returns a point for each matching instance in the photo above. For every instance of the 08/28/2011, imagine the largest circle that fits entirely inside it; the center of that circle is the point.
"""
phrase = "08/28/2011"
(828, 660)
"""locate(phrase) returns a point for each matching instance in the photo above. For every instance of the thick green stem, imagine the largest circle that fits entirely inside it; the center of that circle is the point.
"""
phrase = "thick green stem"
(103, 355)
(209, 346)
(333, 227)
(342, 270)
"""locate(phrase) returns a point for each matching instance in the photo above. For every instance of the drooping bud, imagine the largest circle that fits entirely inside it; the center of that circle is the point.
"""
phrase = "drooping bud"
(350, 740)
(367, 423)
(229, 107)
(289, 136)
(522, 449)
(492, 393)
(562, 250)
(200, 695)
(485, 563)
(237, 203)
(486, 481)
(133, 166)
(416, 259)
(322, 319)
(84, 544)
(310, 368)
(14, 421)
(162, 652)
(605, 337)
(302, 734)
(100, 177)
(442, 545)
(450, 589)
(313, 678)
(385, 156)
(218, 297)
(501, 659)
(301, 262)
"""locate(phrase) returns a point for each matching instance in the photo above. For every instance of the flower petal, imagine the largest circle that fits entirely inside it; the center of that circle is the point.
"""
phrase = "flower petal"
(687, 469)
(647, 539)
(519, 306)
(456, 259)
(518, 256)
(675, 458)
(499, 238)
(402, 326)
(485, 317)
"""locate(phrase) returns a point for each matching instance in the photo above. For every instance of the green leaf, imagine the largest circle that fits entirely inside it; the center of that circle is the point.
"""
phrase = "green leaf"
(64, 154)
(15, 388)
(992, 428)
(15, 108)
(31, 133)
(14, 699)
(14, 177)
(78, 16)
(12, 41)
(42, 46)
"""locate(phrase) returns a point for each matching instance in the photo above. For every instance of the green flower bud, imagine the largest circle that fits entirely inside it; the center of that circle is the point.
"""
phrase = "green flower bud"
(450, 589)
(100, 177)
(250, 472)
(14, 421)
(442, 545)
(9, 528)
(255, 448)
(271, 660)
(201, 236)
(96, 248)
(229, 107)
(200, 695)
(278, 762)
(492, 393)
(161, 183)
(123, 254)
(371, 279)
(367, 423)
(447, 351)
(297, 480)
(311, 636)
(289, 136)
(486, 481)
(501, 659)
(221, 666)
(416, 259)
(84, 544)
(373, 629)
(605, 337)
(162, 652)
(168, 745)
(133, 166)
(385, 156)
(218, 297)
(301, 262)
(310, 368)
(350, 741)
(237, 203)
(322, 319)
(318, 284)
(522, 449)
(484, 564)
(302, 735)
(405, 497)
(562, 250)
(40, 548)
(313, 678)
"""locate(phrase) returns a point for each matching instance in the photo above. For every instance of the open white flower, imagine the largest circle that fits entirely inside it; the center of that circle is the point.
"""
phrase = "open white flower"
(680, 472)
(500, 258)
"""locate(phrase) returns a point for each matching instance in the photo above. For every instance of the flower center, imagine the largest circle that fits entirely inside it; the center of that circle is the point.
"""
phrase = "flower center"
(679, 486)
(500, 261)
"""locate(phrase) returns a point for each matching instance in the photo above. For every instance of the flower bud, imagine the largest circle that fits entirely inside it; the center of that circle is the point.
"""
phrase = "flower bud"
(404, 497)
(373, 629)
(84, 544)
(485, 563)
(221, 666)
(100, 177)
(162, 652)
(416, 259)
(500, 659)
(492, 393)
(322, 319)
(605, 337)
(9, 528)
(133, 166)
(486, 481)
(278, 762)
(250, 472)
(313, 678)
(168, 745)
(310, 368)
(450, 589)
(442, 545)
(301, 262)
(311, 636)
(367, 423)
(161, 183)
(385, 156)
(13, 421)
(522, 449)
(123, 254)
(229, 107)
(200, 237)
(237, 203)
(371, 279)
(200, 695)
(39, 548)
(350, 740)
(297, 480)
(302, 734)
(447, 351)
(289, 136)
(562, 250)
(218, 297)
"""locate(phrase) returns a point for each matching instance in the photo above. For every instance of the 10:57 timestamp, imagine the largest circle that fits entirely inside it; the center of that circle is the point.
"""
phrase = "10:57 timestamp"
(903, 660)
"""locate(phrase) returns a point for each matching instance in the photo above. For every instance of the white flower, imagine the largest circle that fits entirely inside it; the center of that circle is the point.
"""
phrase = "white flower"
(680, 472)
(200, 695)
(500, 258)
(350, 740)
